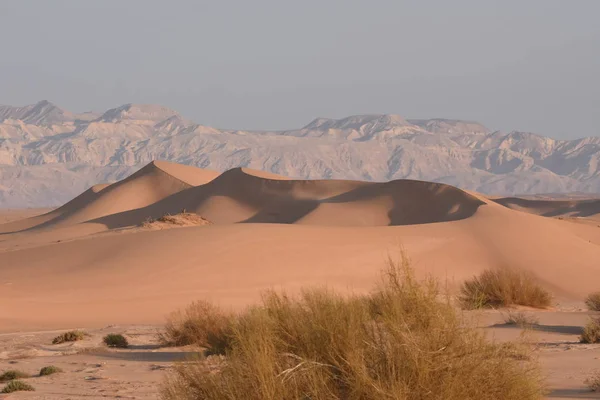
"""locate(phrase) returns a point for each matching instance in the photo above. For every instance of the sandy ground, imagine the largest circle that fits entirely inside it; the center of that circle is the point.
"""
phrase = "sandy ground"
(92, 371)
(125, 255)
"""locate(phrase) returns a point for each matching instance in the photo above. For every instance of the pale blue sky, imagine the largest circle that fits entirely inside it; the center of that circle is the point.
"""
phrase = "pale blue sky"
(531, 65)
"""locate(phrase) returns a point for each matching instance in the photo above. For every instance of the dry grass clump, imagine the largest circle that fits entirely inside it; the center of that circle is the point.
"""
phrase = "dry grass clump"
(593, 301)
(71, 336)
(591, 332)
(202, 324)
(17, 386)
(401, 342)
(503, 287)
(116, 340)
(12, 374)
(521, 319)
(49, 370)
(594, 383)
(181, 219)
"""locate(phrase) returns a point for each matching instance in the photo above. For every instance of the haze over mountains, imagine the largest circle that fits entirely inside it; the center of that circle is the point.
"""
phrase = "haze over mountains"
(49, 155)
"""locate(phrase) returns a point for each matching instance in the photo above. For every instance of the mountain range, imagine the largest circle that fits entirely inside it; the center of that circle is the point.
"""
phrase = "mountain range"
(48, 155)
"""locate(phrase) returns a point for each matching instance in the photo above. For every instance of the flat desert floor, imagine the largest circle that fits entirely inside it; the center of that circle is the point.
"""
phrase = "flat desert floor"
(120, 257)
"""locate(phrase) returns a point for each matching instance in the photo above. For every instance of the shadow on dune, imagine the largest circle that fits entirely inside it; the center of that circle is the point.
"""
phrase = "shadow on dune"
(562, 329)
(151, 356)
(553, 208)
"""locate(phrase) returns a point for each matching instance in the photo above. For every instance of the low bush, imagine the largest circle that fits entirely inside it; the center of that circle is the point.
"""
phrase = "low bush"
(594, 383)
(521, 319)
(17, 386)
(71, 336)
(591, 332)
(593, 301)
(503, 287)
(401, 342)
(49, 370)
(202, 324)
(12, 374)
(116, 340)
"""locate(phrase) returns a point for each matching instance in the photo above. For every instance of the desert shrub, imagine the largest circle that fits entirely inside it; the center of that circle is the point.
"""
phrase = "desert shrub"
(503, 287)
(593, 301)
(591, 332)
(12, 374)
(594, 383)
(49, 370)
(71, 336)
(17, 386)
(400, 342)
(521, 319)
(116, 340)
(201, 323)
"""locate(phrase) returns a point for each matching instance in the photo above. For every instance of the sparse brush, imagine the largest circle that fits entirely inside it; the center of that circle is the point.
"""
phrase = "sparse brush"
(202, 324)
(17, 386)
(593, 301)
(594, 383)
(401, 342)
(591, 332)
(503, 287)
(49, 370)
(521, 319)
(13, 374)
(116, 340)
(71, 336)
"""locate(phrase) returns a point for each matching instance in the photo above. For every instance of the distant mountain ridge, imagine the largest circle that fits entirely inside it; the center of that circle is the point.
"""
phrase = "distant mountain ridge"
(48, 155)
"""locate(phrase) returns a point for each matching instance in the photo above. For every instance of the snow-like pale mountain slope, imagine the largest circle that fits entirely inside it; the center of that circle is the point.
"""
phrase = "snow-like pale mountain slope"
(49, 155)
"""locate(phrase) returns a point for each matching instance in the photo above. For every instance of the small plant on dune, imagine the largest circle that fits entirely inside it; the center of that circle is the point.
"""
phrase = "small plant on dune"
(49, 370)
(591, 332)
(400, 342)
(12, 374)
(71, 336)
(116, 340)
(593, 301)
(521, 319)
(17, 386)
(503, 287)
(202, 324)
(594, 383)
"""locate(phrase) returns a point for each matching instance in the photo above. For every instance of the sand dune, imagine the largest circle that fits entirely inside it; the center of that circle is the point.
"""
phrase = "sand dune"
(79, 267)
(589, 208)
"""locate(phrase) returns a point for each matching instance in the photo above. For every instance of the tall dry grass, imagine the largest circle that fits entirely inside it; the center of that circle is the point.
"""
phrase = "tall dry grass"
(401, 342)
(592, 301)
(503, 287)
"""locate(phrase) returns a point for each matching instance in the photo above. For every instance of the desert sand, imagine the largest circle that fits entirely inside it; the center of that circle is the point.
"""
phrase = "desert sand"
(107, 259)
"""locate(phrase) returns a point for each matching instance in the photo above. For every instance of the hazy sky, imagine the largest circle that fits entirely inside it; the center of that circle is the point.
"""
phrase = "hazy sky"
(531, 65)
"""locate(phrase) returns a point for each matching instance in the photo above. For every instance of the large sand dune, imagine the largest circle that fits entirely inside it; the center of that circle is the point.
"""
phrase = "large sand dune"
(91, 262)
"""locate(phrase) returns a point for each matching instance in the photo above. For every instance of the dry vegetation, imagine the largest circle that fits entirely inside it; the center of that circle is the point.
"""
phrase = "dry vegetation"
(116, 340)
(401, 342)
(12, 374)
(182, 219)
(591, 332)
(593, 301)
(521, 319)
(503, 287)
(17, 386)
(71, 336)
(202, 324)
(594, 383)
(50, 370)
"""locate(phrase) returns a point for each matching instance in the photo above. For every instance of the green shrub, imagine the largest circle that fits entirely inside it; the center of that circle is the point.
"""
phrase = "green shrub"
(591, 332)
(17, 386)
(401, 342)
(593, 301)
(49, 370)
(503, 287)
(12, 374)
(71, 336)
(116, 340)
(202, 324)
